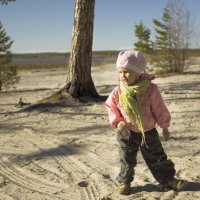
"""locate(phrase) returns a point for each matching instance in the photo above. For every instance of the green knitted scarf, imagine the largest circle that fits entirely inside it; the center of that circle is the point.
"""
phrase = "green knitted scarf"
(130, 105)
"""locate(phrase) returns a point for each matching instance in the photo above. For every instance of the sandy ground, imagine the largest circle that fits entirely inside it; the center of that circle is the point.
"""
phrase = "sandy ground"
(70, 152)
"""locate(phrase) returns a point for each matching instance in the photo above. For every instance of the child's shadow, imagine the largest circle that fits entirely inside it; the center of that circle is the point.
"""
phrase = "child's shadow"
(145, 188)
(189, 186)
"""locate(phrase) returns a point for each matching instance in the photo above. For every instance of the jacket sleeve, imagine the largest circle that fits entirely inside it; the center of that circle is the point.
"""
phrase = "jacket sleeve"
(114, 114)
(159, 109)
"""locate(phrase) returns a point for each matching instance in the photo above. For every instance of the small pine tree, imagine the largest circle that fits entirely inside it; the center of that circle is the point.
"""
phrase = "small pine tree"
(162, 31)
(162, 58)
(8, 73)
(143, 43)
(173, 36)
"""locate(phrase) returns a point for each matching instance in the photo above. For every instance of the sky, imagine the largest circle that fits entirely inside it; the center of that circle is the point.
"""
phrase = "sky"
(46, 25)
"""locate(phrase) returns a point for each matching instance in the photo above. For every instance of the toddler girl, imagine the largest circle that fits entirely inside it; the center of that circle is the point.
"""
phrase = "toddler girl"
(134, 107)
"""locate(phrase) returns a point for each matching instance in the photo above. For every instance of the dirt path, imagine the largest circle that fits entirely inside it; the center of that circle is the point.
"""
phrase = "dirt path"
(70, 152)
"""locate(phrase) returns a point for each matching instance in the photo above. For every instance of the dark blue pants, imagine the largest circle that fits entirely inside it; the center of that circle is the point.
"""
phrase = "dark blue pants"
(156, 159)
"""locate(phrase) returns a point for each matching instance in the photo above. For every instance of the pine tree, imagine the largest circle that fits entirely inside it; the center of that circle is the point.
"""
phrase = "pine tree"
(5, 1)
(173, 36)
(8, 73)
(143, 43)
(162, 31)
(163, 44)
(79, 81)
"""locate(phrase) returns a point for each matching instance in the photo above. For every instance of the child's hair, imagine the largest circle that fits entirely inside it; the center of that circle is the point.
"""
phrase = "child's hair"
(133, 60)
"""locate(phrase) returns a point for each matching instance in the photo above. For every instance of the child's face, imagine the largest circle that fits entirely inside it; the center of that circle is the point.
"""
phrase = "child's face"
(127, 76)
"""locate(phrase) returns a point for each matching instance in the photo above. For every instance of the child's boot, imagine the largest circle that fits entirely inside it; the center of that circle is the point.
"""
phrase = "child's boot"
(124, 188)
(176, 184)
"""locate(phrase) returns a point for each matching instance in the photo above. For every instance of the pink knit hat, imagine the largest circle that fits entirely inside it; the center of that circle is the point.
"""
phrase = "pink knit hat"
(133, 60)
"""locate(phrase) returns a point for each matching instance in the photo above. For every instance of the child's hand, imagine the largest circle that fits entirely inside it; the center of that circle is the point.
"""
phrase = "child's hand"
(166, 134)
(121, 125)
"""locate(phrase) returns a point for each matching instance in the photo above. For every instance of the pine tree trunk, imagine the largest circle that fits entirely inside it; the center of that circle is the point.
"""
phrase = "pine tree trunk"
(79, 81)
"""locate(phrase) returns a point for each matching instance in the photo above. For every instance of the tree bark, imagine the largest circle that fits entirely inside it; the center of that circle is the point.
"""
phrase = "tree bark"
(79, 81)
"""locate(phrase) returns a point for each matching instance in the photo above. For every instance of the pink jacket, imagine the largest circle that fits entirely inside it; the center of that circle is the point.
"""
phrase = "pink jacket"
(152, 106)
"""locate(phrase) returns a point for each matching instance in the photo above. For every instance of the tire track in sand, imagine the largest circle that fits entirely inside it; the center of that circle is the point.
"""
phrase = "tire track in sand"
(6, 197)
(25, 179)
(78, 170)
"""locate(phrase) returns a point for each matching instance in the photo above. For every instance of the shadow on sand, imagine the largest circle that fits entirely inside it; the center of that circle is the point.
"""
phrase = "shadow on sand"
(61, 150)
(189, 186)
